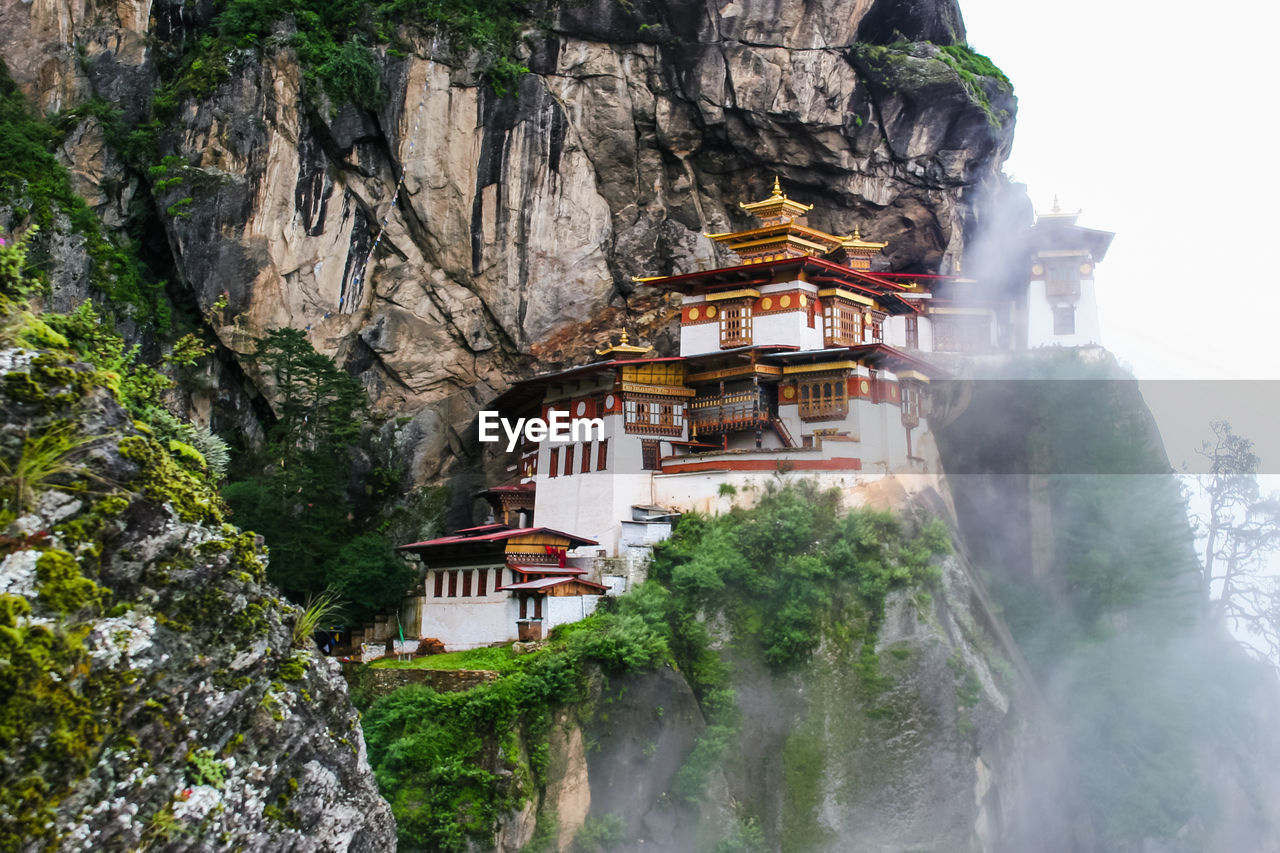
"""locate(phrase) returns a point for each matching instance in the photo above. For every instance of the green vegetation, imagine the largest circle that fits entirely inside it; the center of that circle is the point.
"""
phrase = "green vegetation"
(59, 710)
(786, 575)
(38, 189)
(1102, 627)
(47, 460)
(493, 658)
(974, 70)
(204, 768)
(910, 66)
(323, 535)
(317, 610)
(333, 43)
(599, 833)
(966, 61)
(452, 763)
(790, 573)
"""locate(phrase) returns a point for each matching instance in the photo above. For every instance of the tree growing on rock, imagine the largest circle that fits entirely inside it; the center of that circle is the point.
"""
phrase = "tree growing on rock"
(1241, 529)
(309, 504)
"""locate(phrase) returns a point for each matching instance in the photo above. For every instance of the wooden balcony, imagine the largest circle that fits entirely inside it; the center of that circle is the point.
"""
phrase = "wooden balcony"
(730, 412)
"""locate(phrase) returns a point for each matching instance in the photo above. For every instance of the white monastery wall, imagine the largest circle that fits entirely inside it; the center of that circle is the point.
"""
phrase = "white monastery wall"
(560, 610)
(1040, 318)
(895, 331)
(468, 623)
(592, 505)
(925, 326)
(699, 339)
(787, 327)
(700, 491)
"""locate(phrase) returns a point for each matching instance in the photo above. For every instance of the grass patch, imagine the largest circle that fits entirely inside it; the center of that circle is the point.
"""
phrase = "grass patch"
(493, 659)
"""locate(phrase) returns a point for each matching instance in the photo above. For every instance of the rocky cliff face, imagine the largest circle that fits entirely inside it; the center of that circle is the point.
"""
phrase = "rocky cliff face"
(512, 242)
(155, 695)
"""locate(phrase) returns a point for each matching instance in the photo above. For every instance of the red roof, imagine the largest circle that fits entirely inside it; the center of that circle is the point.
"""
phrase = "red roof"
(762, 273)
(819, 270)
(519, 487)
(481, 529)
(495, 533)
(547, 583)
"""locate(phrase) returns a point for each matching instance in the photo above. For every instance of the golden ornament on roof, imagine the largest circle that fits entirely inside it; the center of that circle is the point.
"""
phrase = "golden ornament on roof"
(623, 347)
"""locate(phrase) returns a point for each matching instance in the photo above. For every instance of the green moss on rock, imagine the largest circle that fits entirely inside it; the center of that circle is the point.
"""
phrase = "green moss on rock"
(161, 480)
(62, 587)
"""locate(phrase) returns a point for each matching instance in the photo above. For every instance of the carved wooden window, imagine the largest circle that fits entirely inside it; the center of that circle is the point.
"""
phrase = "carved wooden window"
(568, 460)
(913, 332)
(482, 582)
(602, 457)
(735, 324)
(586, 459)
(650, 455)
(841, 323)
(654, 415)
(910, 405)
(466, 584)
(1064, 320)
(439, 584)
(874, 331)
(453, 584)
(962, 333)
(823, 398)
(1063, 282)
(553, 468)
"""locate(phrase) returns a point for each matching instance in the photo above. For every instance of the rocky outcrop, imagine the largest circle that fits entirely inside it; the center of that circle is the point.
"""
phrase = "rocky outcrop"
(156, 694)
(522, 219)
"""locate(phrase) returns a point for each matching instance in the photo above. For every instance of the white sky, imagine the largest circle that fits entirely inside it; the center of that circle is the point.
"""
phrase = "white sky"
(1159, 120)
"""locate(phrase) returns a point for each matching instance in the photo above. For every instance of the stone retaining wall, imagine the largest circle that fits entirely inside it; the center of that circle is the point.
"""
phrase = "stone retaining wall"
(376, 682)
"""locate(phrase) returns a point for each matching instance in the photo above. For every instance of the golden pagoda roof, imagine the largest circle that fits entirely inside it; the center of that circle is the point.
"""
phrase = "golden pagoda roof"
(857, 245)
(623, 347)
(776, 205)
(779, 235)
(1057, 213)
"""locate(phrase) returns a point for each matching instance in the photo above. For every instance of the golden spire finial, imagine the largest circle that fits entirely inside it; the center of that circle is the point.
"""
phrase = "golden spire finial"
(857, 233)
(776, 207)
(623, 347)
